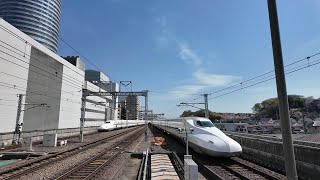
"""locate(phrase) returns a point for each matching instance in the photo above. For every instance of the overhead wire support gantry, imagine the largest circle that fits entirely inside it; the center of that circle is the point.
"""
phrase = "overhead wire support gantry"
(86, 93)
(206, 106)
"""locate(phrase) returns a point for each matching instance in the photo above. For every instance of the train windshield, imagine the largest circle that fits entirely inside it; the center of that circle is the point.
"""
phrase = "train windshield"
(204, 123)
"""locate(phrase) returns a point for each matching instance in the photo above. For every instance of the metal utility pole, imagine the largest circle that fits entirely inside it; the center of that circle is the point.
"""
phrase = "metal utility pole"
(159, 116)
(83, 114)
(187, 142)
(113, 112)
(16, 134)
(289, 158)
(86, 93)
(206, 106)
(304, 123)
(125, 84)
(106, 112)
(145, 117)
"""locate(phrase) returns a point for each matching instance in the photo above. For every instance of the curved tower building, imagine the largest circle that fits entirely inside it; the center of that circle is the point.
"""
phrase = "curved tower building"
(39, 19)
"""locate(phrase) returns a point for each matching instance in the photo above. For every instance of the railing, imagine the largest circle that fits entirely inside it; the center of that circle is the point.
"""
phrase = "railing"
(264, 137)
(36, 133)
(177, 163)
(145, 171)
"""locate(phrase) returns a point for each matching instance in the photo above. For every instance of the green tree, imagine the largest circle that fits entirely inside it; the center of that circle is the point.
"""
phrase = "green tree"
(296, 101)
(187, 113)
(201, 113)
(270, 107)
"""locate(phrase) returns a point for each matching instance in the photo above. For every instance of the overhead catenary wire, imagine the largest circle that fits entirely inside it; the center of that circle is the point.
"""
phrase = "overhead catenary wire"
(43, 70)
(74, 49)
(70, 80)
(163, 92)
(8, 105)
(52, 77)
(34, 82)
(263, 78)
(313, 63)
(13, 86)
(66, 77)
(33, 58)
(255, 80)
(264, 74)
(245, 81)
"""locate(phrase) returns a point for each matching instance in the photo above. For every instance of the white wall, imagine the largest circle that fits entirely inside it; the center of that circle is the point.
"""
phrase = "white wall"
(43, 92)
(50, 80)
(62, 91)
(13, 75)
(98, 118)
(70, 107)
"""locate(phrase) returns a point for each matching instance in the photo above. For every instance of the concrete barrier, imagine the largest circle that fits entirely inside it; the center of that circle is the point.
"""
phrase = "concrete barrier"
(190, 168)
(271, 152)
(37, 136)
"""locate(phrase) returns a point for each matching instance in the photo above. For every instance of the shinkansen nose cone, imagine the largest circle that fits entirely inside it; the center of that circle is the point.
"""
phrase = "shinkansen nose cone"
(235, 148)
(217, 146)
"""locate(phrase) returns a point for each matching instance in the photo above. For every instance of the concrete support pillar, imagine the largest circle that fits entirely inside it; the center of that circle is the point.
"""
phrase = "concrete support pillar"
(27, 144)
(190, 168)
(50, 140)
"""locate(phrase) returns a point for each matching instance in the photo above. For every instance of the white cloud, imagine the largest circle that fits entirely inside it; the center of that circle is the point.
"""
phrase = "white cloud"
(214, 80)
(189, 55)
(162, 41)
(186, 90)
(162, 20)
(115, 1)
(200, 80)
(165, 38)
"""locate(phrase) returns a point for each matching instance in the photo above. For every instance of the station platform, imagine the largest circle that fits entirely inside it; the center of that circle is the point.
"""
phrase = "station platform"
(162, 168)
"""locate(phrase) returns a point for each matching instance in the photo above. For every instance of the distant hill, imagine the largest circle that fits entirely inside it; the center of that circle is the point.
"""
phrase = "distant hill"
(216, 117)
(298, 105)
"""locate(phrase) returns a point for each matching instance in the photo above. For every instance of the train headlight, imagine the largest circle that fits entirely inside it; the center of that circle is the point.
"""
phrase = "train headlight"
(211, 142)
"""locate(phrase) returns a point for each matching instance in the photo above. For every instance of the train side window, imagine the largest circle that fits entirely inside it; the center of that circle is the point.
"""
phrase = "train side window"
(199, 123)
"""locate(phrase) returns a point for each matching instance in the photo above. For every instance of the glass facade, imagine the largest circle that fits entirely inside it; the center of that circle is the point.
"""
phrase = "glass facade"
(39, 19)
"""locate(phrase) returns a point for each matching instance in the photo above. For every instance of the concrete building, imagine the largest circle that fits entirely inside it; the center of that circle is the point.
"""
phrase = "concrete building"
(122, 107)
(105, 85)
(133, 107)
(76, 61)
(96, 76)
(51, 87)
(38, 19)
(97, 107)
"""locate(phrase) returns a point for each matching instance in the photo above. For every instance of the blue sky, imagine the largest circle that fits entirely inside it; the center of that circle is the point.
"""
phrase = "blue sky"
(180, 49)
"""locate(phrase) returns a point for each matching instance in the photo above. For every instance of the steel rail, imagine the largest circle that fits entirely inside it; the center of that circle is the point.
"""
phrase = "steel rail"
(140, 173)
(243, 167)
(209, 172)
(42, 161)
(264, 174)
(145, 170)
(235, 172)
(226, 164)
(116, 175)
(89, 168)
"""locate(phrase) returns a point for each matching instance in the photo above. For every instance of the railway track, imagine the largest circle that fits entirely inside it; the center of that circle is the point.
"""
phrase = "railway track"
(236, 168)
(223, 168)
(91, 167)
(38, 163)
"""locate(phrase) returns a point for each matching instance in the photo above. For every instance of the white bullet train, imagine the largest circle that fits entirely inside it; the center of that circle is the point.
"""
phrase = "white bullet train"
(203, 136)
(117, 124)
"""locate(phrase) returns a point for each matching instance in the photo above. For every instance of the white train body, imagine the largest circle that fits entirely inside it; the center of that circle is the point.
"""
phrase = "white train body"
(203, 136)
(117, 124)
